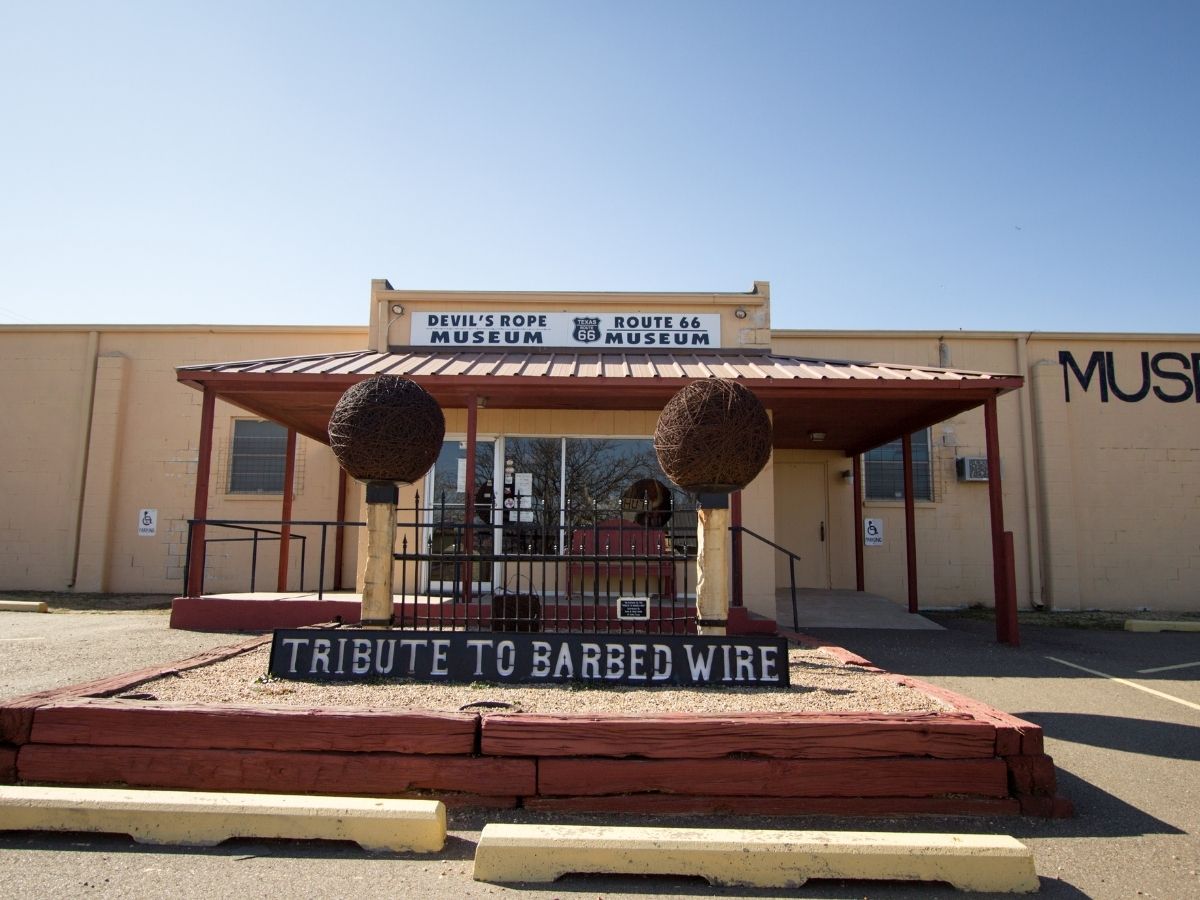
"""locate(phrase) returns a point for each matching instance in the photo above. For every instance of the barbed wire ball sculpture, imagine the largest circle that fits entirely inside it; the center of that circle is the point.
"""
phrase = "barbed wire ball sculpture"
(387, 428)
(713, 437)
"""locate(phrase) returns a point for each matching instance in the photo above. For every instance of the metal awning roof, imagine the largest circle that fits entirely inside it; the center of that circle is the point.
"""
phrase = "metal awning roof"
(857, 405)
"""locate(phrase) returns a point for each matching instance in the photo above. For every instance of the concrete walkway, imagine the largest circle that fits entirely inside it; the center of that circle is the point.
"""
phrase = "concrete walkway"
(834, 608)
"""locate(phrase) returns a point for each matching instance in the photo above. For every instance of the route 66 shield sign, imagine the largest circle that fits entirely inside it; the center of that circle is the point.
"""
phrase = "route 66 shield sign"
(587, 329)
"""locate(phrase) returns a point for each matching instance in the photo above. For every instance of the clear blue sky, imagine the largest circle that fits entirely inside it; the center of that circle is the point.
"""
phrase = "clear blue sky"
(976, 165)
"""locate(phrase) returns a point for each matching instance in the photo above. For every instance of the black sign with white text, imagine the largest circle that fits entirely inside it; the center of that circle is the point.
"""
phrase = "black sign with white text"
(645, 659)
(635, 609)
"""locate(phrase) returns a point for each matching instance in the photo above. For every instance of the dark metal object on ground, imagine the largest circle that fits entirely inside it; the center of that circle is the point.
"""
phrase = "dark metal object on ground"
(516, 612)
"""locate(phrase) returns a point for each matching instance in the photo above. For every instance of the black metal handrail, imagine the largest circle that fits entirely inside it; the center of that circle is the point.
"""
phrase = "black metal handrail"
(259, 527)
(792, 557)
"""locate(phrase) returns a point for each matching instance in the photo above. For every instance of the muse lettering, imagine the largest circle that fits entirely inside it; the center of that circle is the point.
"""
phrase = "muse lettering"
(1171, 376)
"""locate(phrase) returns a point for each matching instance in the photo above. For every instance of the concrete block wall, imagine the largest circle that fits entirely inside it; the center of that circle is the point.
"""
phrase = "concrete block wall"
(98, 427)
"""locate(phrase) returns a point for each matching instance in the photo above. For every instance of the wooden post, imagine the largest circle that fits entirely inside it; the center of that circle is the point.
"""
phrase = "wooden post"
(200, 507)
(285, 530)
(377, 603)
(910, 523)
(712, 571)
(859, 566)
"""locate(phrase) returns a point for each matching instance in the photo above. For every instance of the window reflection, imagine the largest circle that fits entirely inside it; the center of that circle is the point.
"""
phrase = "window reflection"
(884, 469)
(606, 479)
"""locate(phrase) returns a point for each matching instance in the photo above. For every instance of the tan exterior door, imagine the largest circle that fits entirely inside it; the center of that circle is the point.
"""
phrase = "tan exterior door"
(802, 523)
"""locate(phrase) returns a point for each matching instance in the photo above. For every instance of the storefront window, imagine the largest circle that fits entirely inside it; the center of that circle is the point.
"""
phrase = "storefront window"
(606, 479)
(531, 494)
(600, 469)
(884, 468)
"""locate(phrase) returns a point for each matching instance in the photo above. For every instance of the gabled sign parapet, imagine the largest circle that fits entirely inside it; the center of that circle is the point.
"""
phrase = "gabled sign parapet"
(541, 320)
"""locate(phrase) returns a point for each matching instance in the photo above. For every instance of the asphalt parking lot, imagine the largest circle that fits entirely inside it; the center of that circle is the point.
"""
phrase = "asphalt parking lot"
(1121, 713)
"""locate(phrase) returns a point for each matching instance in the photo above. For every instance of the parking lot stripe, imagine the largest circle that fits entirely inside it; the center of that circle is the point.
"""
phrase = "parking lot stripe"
(1168, 668)
(1126, 682)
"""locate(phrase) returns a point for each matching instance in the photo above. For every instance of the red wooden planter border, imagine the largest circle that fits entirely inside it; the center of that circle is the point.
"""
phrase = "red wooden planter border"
(1014, 736)
(16, 715)
(774, 777)
(383, 774)
(975, 760)
(135, 723)
(782, 735)
(680, 804)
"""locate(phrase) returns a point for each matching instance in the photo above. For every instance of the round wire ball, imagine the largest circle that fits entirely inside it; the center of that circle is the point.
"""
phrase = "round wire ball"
(387, 428)
(713, 437)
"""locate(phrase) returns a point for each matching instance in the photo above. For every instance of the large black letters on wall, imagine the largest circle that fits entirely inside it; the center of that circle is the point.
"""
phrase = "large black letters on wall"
(1170, 376)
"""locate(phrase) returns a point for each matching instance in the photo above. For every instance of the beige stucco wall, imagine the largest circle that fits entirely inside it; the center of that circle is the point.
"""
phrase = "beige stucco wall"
(97, 427)
(1120, 480)
(1103, 498)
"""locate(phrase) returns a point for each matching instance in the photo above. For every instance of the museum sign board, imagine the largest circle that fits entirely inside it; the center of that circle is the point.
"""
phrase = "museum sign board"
(646, 331)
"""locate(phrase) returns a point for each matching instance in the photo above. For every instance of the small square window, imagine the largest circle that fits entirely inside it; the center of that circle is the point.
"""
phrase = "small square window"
(257, 457)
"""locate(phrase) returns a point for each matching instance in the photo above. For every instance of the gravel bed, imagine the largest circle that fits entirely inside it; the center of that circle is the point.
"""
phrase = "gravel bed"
(820, 683)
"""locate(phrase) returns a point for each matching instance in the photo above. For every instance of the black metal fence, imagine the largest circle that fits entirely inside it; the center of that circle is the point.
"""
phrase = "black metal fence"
(513, 569)
(525, 569)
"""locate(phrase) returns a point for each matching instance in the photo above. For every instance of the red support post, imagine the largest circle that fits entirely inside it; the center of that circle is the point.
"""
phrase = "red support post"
(1012, 630)
(285, 530)
(910, 523)
(1006, 612)
(860, 576)
(339, 534)
(200, 506)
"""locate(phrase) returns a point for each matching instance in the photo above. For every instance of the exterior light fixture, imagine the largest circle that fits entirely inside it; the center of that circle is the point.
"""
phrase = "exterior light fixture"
(816, 436)
(740, 312)
(397, 309)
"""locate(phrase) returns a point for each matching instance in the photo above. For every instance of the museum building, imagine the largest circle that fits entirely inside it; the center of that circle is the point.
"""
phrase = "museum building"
(933, 468)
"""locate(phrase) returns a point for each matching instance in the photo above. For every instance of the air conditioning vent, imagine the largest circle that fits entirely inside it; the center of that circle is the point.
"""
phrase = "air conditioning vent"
(972, 468)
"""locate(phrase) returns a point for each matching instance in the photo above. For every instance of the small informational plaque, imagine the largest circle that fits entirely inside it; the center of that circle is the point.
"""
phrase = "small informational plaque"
(147, 522)
(635, 608)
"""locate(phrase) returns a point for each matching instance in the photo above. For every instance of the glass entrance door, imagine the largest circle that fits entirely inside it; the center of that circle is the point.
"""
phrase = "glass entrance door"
(446, 513)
